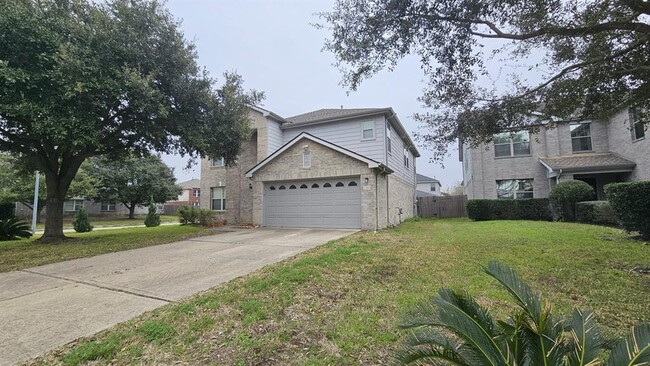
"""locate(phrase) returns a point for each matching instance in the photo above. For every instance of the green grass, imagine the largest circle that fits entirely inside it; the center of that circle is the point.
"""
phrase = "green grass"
(339, 304)
(112, 220)
(19, 254)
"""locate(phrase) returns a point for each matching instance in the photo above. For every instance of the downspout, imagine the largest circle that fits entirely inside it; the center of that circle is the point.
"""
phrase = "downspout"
(557, 177)
(387, 204)
(376, 201)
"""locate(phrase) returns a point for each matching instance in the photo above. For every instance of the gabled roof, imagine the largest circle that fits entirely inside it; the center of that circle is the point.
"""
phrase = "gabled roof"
(189, 184)
(371, 163)
(419, 178)
(587, 162)
(336, 114)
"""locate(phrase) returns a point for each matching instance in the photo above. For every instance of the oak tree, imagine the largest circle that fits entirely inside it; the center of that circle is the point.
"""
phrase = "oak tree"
(581, 59)
(134, 181)
(83, 78)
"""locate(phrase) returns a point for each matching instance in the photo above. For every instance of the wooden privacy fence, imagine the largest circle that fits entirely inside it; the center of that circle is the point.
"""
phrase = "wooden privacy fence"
(442, 206)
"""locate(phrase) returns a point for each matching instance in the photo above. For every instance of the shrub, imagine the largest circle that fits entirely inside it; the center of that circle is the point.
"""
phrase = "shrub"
(152, 219)
(454, 329)
(81, 223)
(596, 212)
(12, 228)
(196, 216)
(526, 209)
(565, 195)
(631, 203)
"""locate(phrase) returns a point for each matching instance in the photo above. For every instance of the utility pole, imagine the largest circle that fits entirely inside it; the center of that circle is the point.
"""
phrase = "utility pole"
(35, 205)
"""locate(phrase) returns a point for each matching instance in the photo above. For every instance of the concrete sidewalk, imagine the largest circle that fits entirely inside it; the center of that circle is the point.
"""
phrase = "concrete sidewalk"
(48, 306)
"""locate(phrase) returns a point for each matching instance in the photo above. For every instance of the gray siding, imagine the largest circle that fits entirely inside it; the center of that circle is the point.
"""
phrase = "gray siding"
(347, 134)
(396, 158)
(275, 136)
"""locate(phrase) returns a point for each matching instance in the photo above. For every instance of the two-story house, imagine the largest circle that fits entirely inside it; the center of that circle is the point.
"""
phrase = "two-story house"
(519, 164)
(331, 168)
(190, 195)
(427, 186)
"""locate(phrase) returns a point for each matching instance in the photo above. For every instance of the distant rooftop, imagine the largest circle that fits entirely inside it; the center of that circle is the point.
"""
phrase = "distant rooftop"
(192, 183)
(424, 179)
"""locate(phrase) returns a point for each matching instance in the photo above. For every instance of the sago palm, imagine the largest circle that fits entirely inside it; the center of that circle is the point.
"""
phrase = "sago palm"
(13, 228)
(453, 329)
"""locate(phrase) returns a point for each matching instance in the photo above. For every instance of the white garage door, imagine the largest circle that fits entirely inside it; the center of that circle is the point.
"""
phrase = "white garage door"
(326, 203)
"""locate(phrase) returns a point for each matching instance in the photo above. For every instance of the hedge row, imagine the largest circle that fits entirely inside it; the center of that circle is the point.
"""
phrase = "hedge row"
(527, 209)
(596, 212)
(631, 203)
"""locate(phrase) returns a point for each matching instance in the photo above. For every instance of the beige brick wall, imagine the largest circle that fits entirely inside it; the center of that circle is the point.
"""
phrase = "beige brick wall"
(325, 163)
(401, 194)
(620, 139)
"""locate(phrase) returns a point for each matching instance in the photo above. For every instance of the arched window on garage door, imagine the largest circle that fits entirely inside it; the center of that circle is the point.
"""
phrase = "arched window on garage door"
(340, 184)
(352, 184)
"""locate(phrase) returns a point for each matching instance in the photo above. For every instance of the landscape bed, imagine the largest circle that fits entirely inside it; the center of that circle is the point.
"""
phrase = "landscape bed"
(340, 303)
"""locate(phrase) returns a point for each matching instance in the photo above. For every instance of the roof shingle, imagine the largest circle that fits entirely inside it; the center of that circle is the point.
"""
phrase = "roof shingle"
(331, 113)
(588, 162)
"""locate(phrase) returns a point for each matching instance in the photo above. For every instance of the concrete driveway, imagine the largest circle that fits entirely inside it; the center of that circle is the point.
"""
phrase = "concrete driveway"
(45, 307)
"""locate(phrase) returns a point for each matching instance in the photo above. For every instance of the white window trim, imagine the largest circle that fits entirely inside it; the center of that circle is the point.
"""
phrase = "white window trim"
(591, 141)
(515, 192)
(222, 199)
(306, 159)
(511, 142)
(108, 207)
(75, 203)
(218, 163)
(389, 142)
(363, 129)
(633, 123)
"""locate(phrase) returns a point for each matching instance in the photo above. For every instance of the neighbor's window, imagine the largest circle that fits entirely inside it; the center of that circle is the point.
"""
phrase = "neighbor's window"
(218, 198)
(511, 144)
(368, 130)
(73, 205)
(196, 193)
(218, 162)
(306, 159)
(389, 143)
(580, 136)
(108, 206)
(433, 187)
(514, 189)
(638, 128)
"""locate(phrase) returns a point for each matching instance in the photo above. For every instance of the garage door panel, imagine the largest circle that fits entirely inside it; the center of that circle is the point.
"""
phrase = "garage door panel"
(314, 206)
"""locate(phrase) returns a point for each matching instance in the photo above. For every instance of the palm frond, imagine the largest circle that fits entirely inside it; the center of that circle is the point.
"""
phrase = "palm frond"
(634, 350)
(586, 341)
(523, 295)
(429, 356)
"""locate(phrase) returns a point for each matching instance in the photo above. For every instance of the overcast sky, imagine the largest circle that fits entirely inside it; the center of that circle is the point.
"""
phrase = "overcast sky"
(276, 50)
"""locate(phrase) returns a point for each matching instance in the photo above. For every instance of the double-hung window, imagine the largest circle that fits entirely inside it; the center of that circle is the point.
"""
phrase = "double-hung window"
(73, 205)
(509, 189)
(108, 206)
(580, 136)
(218, 198)
(218, 162)
(368, 130)
(638, 128)
(511, 144)
(389, 143)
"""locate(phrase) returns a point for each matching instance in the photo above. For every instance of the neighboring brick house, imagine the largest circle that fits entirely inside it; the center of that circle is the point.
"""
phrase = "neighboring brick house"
(523, 165)
(72, 205)
(427, 186)
(331, 168)
(190, 196)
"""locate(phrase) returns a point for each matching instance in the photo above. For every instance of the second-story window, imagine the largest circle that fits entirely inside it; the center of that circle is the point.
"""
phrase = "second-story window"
(433, 187)
(638, 128)
(511, 144)
(306, 159)
(218, 162)
(389, 143)
(580, 136)
(368, 130)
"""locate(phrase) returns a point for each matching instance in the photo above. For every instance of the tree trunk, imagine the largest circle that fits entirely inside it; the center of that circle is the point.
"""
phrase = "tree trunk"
(53, 219)
(58, 182)
(131, 211)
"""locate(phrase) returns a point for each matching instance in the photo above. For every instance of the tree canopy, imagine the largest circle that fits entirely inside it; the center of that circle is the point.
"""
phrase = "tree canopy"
(81, 78)
(596, 59)
(134, 181)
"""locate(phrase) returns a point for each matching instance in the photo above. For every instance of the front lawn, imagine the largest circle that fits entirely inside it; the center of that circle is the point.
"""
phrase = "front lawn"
(339, 304)
(25, 253)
